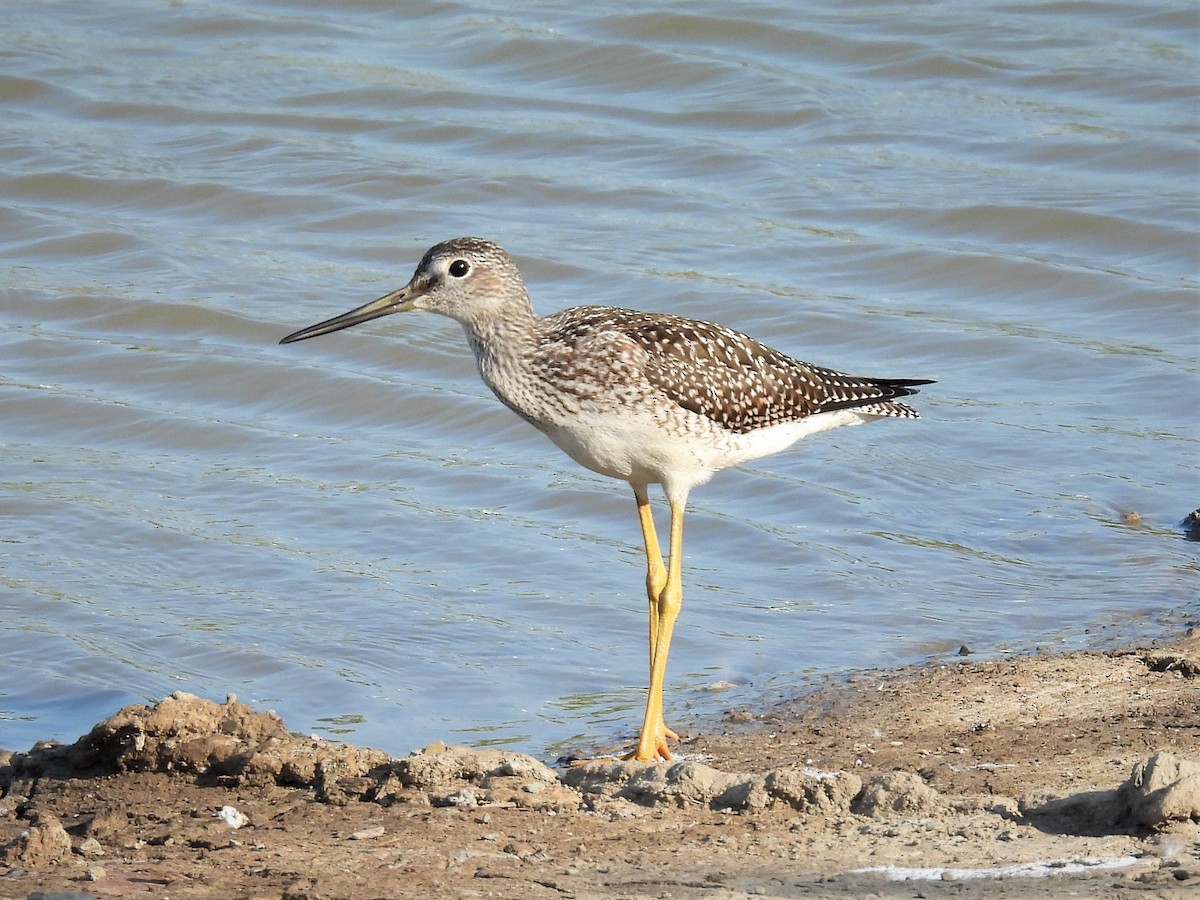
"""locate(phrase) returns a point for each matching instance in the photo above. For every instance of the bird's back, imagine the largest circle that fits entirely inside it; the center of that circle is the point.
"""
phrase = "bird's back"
(728, 378)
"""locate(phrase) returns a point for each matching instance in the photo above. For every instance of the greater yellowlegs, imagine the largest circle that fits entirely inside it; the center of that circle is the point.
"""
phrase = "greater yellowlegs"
(644, 397)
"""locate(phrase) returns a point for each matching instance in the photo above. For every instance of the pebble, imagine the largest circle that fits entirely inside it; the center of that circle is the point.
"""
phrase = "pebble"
(232, 816)
(515, 767)
(464, 799)
(368, 833)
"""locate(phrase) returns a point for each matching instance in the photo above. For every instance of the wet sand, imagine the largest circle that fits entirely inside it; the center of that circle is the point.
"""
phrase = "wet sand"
(1049, 774)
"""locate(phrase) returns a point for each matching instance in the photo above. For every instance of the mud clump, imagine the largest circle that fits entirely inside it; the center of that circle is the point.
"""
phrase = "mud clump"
(186, 734)
(182, 733)
(1163, 789)
(1161, 792)
(897, 793)
(461, 777)
(44, 843)
(693, 784)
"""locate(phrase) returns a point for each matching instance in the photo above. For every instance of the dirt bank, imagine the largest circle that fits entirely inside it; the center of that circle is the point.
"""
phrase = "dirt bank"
(1082, 768)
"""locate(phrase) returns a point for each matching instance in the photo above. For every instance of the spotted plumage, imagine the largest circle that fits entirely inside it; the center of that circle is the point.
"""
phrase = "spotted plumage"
(721, 374)
(645, 397)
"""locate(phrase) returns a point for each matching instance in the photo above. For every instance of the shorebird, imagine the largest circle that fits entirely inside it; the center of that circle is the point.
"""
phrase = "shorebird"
(648, 398)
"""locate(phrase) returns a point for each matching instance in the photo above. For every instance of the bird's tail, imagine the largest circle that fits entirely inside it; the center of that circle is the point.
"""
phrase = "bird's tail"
(876, 396)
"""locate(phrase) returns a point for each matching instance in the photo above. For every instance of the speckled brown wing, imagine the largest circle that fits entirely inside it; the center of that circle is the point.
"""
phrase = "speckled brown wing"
(744, 385)
(727, 377)
(721, 374)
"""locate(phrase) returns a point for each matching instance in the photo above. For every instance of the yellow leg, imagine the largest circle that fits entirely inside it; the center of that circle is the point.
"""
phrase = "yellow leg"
(664, 608)
(656, 581)
(656, 572)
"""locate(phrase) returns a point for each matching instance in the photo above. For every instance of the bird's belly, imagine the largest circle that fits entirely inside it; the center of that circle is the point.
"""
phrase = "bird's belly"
(632, 450)
(643, 450)
(775, 438)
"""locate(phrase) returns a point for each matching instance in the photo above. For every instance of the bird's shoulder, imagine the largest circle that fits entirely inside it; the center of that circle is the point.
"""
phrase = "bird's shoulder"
(656, 337)
(733, 380)
(709, 369)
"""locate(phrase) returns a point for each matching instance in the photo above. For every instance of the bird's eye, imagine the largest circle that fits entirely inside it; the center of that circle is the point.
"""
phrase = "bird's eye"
(459, 268)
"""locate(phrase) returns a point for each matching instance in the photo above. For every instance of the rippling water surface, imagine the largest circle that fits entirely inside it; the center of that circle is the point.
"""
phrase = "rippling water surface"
(351, 531)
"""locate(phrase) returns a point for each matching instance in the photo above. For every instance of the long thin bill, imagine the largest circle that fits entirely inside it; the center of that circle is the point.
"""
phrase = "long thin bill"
(396, 301)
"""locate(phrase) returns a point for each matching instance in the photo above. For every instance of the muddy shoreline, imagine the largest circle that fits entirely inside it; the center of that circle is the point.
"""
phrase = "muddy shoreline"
(1033, 776)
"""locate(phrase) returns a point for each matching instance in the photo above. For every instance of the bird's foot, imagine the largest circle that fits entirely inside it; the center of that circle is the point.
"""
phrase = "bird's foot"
(661, 751)
(652, 747)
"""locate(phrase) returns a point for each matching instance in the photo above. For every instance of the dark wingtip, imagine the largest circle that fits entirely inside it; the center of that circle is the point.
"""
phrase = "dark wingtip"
(901, 387)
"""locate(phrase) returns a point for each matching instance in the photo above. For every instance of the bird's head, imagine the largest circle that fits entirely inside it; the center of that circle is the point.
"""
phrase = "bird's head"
(464, 278)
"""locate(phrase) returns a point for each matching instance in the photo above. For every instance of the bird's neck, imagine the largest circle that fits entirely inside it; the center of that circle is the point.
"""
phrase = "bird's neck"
(503, 344)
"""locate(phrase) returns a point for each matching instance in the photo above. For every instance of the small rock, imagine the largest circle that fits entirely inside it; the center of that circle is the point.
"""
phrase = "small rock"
(231, 816)
(533, 787)
(515, 766)
(89, 846)
(464, 798)
(96, 873)
(368, 833)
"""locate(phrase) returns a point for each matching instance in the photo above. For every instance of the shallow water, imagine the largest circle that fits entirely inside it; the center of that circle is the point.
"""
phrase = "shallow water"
(353, 532)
